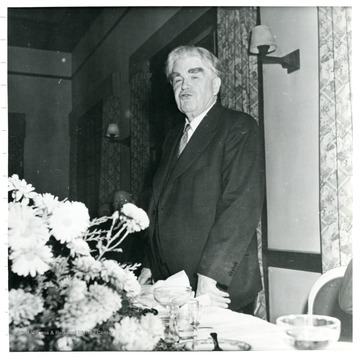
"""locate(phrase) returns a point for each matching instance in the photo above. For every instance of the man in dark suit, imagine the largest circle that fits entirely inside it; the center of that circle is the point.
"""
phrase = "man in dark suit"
(208, 195)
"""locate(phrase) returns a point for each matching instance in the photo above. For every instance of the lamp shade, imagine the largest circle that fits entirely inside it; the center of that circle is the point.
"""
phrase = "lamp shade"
(113, 131)
(262, 36)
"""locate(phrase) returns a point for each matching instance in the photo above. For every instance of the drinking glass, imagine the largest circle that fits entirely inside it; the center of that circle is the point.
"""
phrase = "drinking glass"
(172, 297)
(194, 315)
(194, 311)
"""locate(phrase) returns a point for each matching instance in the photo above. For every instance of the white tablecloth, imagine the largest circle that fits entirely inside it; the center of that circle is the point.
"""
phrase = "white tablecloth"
(260, 334)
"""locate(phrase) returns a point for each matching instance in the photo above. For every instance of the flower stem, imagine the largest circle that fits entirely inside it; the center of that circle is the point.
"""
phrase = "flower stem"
(121, 240)
(108, 246)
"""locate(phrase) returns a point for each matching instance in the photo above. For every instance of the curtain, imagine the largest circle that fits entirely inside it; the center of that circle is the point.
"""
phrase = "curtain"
(140, 86)
(335, 135)
(239, 89)
(110, 153)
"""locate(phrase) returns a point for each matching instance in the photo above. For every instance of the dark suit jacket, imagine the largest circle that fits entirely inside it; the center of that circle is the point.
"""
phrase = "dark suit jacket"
(206, 205)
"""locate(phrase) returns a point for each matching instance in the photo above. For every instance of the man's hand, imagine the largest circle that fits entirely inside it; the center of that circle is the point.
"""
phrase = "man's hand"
(145, 276)
(208, 286)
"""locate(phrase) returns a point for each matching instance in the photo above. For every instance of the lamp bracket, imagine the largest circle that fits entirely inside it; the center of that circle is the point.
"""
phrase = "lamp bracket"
(291, 61)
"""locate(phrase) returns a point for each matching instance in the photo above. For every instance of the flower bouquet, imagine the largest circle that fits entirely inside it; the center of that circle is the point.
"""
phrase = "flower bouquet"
(64, 295)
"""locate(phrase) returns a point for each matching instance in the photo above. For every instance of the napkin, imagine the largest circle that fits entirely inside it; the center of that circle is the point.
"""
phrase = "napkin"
(178, 279)
(146, 297)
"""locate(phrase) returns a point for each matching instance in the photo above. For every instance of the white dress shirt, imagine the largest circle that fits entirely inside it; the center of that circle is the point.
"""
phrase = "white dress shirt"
(196, 122)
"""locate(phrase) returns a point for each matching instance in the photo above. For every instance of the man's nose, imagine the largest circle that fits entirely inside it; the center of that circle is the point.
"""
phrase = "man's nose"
(185, 84)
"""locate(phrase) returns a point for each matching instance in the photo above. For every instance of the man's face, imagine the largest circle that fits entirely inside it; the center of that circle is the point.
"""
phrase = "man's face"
(120, 198)
(195, 86)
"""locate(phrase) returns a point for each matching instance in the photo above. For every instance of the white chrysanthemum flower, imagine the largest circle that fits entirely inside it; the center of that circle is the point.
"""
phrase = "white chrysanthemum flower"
(108, 300)
(20, 188)
(25, 229)
(69, 220)
(112, 273)
(101, 302)
(75, 289)
(65, 282)
(76, 316)
(21, 340)
(134, 218)
(87, 267)
(115, 215)
(153, 325)
(65, 344)
(129, 335)
(120, 278)
(59, 265)
(23, 306)
(78, 246)
(131, 284)
(31, 260)
(46, 202)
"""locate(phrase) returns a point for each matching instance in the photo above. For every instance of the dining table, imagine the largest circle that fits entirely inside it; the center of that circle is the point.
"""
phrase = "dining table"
(238, 328)
(259, 334)
(241, 329)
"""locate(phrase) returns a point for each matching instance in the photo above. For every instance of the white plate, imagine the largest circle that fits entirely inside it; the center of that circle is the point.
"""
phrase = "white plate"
(225, 344)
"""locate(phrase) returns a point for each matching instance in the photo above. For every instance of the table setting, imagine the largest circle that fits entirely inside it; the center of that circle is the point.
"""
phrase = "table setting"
(192, 324)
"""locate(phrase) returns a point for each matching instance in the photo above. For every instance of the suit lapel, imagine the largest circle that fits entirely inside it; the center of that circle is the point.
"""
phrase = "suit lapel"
(168, 171)
(197, 144)
(165, 166)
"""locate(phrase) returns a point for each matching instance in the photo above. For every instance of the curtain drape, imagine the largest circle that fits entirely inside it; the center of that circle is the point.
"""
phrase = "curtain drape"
(239, 89)
(140, 86)
(109, 181)
(335, 135)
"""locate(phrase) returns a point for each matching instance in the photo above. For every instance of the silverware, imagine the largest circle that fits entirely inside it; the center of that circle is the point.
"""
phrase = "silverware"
(216, 343)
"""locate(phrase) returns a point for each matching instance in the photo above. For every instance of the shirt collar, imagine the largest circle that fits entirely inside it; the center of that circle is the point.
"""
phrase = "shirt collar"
(197, 120)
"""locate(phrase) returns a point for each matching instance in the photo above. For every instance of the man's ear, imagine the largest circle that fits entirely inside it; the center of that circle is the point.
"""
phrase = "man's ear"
(216, 83)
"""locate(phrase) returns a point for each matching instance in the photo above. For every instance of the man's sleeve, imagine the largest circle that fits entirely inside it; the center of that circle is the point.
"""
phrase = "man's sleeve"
(240, 205)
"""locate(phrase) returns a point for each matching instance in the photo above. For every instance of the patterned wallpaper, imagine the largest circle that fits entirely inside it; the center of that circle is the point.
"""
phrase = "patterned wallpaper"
(140, 86)
(109, 174)
(239, 89)
(110, 178)
(335, 135)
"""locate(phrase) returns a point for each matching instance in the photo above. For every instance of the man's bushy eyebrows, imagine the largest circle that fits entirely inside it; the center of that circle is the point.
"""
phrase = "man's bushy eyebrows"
(196, 70)
(191, 70)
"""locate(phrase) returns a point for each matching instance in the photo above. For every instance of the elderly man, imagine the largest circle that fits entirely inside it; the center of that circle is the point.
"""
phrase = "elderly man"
(208, 190)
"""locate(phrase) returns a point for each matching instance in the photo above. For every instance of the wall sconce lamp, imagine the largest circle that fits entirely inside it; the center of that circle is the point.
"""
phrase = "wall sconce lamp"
(113, 134)
(263, 42)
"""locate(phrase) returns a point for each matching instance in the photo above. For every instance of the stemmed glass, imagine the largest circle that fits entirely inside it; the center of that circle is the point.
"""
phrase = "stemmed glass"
(172, 297)
(194, 312)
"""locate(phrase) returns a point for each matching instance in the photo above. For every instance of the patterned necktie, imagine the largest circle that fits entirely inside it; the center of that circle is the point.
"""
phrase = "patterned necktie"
(184, 139)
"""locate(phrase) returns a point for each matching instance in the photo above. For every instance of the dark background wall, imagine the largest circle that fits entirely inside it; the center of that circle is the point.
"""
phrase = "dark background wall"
(47, 85)
(39, 87)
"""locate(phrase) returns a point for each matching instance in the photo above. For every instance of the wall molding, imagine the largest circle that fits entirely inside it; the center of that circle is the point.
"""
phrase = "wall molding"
(310, 262)
(109, 86)
(38, 75)
(167, 33)
(101, 41)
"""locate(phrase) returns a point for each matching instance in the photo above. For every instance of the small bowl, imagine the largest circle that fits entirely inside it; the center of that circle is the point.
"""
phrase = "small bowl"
(310, 332)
